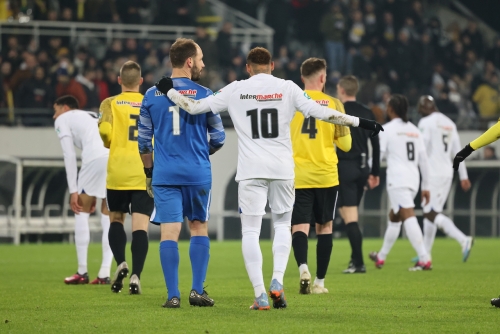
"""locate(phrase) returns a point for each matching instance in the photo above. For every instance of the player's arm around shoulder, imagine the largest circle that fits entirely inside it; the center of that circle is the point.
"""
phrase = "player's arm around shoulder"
(342, 135)
(215, 130)
(106, 121)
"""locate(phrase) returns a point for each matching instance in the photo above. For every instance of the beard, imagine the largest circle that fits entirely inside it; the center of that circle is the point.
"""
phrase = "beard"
(195, 73)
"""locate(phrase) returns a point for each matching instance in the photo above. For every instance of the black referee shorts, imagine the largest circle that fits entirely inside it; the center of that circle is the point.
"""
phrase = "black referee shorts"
(352, 179)
(130, 201)
(314, 205)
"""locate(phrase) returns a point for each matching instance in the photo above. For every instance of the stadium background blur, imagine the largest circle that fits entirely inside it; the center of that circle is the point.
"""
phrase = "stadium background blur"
(445, 48)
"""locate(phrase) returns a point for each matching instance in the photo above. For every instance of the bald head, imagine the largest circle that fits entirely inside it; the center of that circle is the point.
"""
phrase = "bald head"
(426, 105)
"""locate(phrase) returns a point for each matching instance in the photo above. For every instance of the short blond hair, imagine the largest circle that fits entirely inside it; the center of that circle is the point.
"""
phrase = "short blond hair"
(350, 84)
(130, 74)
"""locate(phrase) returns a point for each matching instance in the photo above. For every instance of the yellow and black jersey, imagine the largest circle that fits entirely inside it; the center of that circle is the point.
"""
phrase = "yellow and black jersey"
(118, 129)
(314, 143)
(490, 136)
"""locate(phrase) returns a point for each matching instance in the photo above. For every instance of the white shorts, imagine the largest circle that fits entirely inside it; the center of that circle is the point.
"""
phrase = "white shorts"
(254, 193)
(401, 198)
(439, 189)
(92, 178)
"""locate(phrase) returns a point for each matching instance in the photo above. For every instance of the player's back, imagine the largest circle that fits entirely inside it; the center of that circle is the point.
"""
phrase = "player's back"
(359, 136)
(261, 109)
(313, 146)
(82, 127)
(401, 144)
(439, 132)
(125, 169)
(181, 149)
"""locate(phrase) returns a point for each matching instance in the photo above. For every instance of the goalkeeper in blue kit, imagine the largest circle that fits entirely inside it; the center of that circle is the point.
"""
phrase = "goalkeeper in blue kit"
(181, 179)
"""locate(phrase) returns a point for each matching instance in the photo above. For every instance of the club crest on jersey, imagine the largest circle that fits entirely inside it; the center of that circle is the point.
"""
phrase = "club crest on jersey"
(323, 102)
(130, 103)
(262, 97)
(188, 92)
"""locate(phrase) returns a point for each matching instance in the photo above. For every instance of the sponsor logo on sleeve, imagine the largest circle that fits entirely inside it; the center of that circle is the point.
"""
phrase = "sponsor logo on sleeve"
(158, 93)
(217, 92)
(307, 95)
(262, 97)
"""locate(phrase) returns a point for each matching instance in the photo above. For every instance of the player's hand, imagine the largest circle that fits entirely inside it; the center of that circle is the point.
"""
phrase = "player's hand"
(373, 181)
(164, 84)
(461, 156)
(75, 204)
(368, 124)
(92, 207)
(149, 187)
(149, 181)
(426, 197)
(465, 184)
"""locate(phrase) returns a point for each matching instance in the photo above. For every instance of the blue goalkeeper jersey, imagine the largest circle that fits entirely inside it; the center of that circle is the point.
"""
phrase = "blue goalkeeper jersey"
(181, 144)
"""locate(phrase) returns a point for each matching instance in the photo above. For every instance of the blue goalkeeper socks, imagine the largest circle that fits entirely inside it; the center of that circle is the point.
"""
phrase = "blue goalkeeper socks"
(169, 258)
(199, 253)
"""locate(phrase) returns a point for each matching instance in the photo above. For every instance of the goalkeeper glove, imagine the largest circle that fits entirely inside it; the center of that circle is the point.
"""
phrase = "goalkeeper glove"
(368, 124)
(464, 153)
(164, 84)
(149, 180)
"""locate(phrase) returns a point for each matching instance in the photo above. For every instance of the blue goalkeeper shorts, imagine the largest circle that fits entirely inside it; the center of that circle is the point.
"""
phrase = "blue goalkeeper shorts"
(173, 203)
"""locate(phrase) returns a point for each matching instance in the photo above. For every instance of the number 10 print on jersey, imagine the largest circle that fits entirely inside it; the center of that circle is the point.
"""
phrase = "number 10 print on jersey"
(268, 123)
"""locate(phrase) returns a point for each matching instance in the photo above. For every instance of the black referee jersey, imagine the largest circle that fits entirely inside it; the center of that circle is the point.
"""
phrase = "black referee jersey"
(359, 148)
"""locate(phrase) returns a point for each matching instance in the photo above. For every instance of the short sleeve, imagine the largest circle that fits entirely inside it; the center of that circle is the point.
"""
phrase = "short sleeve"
(105, 112)
(340, 130)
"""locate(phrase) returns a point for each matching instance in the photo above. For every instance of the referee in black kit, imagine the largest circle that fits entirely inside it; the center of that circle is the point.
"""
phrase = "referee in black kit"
(354, 172)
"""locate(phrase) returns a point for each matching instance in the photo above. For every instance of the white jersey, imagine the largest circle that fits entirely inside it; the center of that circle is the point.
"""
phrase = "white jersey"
(402, 145)
(442, 143)
(79, 128)
(261, 109)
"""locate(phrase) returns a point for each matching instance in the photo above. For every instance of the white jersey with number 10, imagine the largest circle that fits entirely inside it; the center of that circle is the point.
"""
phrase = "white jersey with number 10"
(261, 109)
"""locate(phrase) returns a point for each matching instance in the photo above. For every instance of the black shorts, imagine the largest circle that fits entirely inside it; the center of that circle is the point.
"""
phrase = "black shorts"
(314, 205)
(352, 179)
(130, 201)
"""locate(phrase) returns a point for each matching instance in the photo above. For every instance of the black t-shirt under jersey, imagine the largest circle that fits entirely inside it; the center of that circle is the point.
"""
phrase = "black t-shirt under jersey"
(360, 138)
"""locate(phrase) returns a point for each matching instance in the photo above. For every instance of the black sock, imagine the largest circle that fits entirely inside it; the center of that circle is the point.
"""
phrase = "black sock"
(117, 241)
(299, 244)
(139, 249)
(356, 240)
(323, 253)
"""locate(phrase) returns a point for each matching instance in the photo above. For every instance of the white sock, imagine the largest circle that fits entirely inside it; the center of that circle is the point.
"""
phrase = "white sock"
(82, 239)
(390, 237)
(414, 234)
(107, 254)
(303, 267)
(252, 255)
(430, 230)
(320, 282)
(282, 243)
(449, 228)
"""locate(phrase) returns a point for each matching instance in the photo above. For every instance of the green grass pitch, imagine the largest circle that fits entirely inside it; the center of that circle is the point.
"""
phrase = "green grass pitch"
(454, 297)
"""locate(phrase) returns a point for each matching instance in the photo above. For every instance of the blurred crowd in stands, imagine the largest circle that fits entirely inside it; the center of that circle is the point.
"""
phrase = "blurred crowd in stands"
(392, 46)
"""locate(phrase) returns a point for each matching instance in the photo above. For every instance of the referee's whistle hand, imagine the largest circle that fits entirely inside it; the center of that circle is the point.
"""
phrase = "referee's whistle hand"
(164, 84)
